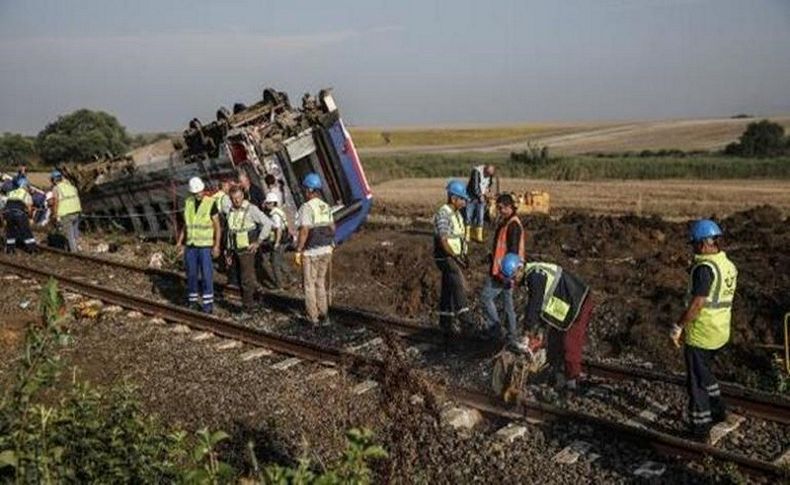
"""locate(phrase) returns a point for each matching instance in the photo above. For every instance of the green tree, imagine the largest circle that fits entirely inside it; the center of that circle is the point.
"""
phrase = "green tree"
(80, 135)
(15, 148)
(761, 139)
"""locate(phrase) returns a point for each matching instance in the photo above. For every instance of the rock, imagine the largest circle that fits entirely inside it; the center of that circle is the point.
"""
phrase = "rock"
(156, 261)
(113, 309)
(157, 321)
(286, 364)
(364, 387)
(650, 469)
(511, 432)
(102, 248)
(201, 336)
(228, 344)
(571, 453)
(462, 418)
(181, 328)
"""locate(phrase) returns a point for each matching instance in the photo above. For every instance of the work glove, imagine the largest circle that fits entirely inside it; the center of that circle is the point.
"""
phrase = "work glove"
(298, 259)
(676, 334)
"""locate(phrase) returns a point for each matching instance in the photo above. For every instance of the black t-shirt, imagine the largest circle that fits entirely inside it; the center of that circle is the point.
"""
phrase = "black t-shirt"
(701, 280)
(536, 283)
(256, 196)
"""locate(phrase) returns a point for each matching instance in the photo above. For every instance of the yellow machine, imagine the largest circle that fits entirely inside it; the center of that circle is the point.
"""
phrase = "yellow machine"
(529, 202)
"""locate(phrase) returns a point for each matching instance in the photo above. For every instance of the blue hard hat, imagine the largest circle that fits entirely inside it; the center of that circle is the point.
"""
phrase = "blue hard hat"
(704, 229)
(56, 174)
(312, 181)
(457, 188)
(510, 264)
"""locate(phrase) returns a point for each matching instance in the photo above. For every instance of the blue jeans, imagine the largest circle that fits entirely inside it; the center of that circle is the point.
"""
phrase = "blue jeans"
(475, 213)
(491, 290)
(199, 267)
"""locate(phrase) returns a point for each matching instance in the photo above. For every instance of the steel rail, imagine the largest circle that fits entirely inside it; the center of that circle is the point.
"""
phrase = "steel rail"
(663, 443)
(756, 403)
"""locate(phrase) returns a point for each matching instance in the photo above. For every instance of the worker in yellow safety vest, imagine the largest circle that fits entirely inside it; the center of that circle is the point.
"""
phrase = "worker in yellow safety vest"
(706, 325)
(201, 232)
(450, 256)
(17, 212)
(314, 247)
(66, 208)
(279, 239)
(248, 227)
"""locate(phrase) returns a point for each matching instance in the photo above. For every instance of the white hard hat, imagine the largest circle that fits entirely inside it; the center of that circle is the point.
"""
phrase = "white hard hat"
(196, 185)
(272, 197)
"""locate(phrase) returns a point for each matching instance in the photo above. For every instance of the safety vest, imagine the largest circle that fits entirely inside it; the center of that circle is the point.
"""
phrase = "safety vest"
(321, 233)
(222, 201)
(457, 237)
(20, 195)
(276, 211)
(711, 329)
(200, 228)
(68, 199)
(239, 226)
(500, 245)
(563, 295)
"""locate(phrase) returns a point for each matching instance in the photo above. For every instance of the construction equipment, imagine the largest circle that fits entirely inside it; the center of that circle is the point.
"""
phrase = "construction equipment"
(529, 202)
(511, 372)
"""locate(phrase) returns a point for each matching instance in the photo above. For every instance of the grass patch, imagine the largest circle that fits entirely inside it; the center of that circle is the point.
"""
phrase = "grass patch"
(380, 168)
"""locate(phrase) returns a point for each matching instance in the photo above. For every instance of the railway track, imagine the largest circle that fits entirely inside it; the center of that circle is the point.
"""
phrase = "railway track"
(663, 443)
(755, 403)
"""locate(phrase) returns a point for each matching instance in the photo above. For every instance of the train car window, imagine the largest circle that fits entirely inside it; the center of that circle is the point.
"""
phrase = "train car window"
(301, 150)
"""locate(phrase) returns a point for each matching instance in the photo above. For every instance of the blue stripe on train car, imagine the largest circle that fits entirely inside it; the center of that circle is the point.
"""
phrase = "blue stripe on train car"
(352, 168)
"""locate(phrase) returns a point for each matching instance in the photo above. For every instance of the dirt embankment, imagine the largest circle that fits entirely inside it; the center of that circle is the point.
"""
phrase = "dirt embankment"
(637, 267)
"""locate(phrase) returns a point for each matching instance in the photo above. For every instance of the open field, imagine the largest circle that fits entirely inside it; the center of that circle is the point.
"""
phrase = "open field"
(669, 198)
(562, 138)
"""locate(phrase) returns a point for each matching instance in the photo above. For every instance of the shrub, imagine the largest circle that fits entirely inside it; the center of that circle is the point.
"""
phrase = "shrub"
(760, 139)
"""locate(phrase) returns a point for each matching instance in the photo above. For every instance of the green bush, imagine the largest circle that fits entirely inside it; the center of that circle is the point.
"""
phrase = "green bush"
(761, 139)
(81, 135)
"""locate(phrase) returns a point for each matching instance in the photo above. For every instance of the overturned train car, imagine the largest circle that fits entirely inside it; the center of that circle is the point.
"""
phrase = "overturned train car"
(142, 191)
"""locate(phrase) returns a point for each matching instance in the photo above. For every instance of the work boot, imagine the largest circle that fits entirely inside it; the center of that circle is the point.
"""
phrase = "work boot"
(468, 233)
(478, 234)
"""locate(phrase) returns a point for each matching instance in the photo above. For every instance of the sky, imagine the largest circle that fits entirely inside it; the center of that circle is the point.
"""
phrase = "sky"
(155, 64)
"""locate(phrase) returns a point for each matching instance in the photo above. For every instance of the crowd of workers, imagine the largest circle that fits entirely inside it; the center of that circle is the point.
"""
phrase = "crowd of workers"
(246, 228)
(560, 304)
(57, 208)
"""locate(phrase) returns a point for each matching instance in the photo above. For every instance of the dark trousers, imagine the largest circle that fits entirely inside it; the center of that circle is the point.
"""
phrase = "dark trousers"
(199, 268)
(705, 403)
(274, 269)
(17, 230)
(244, 263)
(565, 348)
(452, 299)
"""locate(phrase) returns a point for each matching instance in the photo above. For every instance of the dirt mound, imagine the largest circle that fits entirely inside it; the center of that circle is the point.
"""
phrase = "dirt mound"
(637, 267)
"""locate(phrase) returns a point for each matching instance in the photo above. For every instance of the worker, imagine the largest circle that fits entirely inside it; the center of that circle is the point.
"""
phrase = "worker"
(279, 238)
(509, 239)
(66, 208)
(248, 227)
(479, 188)
(222, 197)
(559, 306)
(273, 187)
(253, 192)
(18, 210)
(450, 256)
(201, 232)
(314, 247)
(706, 325)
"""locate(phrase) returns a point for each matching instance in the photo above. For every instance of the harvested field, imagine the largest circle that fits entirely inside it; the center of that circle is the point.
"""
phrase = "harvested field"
(666, 198)
(562, 138)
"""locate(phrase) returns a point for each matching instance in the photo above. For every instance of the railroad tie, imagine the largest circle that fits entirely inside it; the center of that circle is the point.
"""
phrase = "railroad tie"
(720, 430)
(650, 469)
(228, 344)
(201, 336)
(255, 354)
(180, 328)
(364, 387)
(783, 459)
(364, 345)
(286, 364)
(323, 374)
(571, 453)
(648, 415)
(511, 432)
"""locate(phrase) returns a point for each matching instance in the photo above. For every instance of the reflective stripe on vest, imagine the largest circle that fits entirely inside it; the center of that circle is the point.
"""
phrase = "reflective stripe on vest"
(500, 250)
(68, 199)
(240, 226)
(200, 227)
(457, 237)
(711, 329)
(320, 233)
(276, 211)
